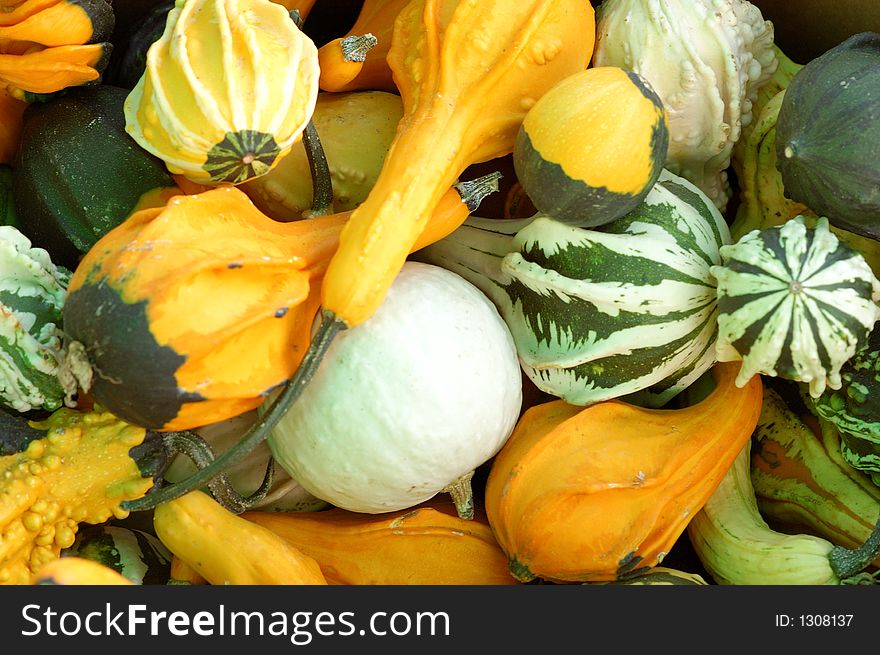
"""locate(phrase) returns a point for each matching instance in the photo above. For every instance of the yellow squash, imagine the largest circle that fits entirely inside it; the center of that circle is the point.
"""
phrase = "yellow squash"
(226, 549)
(228, 88)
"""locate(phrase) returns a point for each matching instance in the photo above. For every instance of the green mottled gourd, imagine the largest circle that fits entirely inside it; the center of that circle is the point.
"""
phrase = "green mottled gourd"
(854, 409)
(136, 555)
(625, 309)
(794, 302)
(32, 293)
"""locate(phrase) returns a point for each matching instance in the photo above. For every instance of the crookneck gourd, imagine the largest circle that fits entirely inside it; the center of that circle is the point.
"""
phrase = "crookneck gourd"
(227, 549)
(426, 545)
(802, 481)
(72, 468)
(625, 308)
(228, 88)
(794, 302)
(602, 493)
(356, 61)
(162, 306)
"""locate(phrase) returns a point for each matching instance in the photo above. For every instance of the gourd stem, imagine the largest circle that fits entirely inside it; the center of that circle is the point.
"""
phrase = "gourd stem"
(199, 451)
(259, 431)
(322, 183)
(296, 17)
(355, 48)
(473, 192)
(462, 496)
(846, 562)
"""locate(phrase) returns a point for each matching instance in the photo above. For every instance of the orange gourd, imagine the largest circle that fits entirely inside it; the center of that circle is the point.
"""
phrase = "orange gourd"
(602, 493)
(425, 545)
(165, 304)
(356, 61)
(467, 73)
(11, 110)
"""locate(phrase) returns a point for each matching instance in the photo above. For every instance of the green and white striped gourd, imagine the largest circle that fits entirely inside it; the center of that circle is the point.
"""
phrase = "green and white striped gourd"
(137, 555)
(624, 309)
(794, 302)
(32, 293)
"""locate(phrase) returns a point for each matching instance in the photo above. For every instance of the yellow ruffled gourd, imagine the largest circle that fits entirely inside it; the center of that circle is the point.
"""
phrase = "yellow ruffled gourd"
(228, 89)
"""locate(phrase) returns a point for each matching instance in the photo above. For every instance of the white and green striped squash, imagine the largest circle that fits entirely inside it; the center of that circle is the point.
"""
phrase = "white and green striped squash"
(794, 302)
(32, 293)
(625, 309)
(137, 555)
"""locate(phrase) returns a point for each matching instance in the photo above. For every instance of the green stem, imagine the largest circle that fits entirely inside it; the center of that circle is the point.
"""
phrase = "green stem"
(355, 48)
(322, 183)
(330, 326)
(846, 562)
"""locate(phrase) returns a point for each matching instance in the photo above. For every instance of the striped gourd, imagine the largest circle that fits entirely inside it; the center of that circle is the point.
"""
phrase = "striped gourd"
(137, 555)
(32, 293)
(794, 302)
(625, 309)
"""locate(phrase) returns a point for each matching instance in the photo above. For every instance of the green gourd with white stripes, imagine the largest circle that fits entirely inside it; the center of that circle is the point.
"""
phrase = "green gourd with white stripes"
(795, 302)
(628, 308)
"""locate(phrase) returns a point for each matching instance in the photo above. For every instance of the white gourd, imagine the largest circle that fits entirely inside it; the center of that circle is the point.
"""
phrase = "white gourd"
(409, 403)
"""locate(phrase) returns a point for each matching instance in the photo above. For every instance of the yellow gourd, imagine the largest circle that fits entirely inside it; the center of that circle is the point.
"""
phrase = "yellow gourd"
(77, 571)
(226, 549)
(228, 88)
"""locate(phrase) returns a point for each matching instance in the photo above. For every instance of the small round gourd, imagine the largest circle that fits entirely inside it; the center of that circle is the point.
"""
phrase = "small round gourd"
(591, 147)
(228, 88)
(407, 403)
(794, 302)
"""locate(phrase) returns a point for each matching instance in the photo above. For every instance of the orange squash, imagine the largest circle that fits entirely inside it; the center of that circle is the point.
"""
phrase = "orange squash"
(165, 304)
(425, 545)
(356, 61)
(11, 111)
(602, 493)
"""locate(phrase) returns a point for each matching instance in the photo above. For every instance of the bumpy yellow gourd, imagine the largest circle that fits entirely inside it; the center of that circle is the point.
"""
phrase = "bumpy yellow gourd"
(79, 473)
(228, 88)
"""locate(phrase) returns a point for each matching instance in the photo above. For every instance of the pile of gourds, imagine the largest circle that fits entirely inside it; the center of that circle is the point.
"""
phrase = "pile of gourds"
(455, 293)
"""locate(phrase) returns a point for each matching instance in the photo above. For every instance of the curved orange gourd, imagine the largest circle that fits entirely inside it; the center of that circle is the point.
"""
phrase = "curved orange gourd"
(467, 73)
(601, 493)
(428, 544)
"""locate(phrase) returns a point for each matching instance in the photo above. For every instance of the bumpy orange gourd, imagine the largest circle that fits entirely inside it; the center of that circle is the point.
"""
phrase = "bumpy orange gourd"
(467, 73)
(191, 313)
(370, 71)
(602, 493)
(226, 549)
(425, 545)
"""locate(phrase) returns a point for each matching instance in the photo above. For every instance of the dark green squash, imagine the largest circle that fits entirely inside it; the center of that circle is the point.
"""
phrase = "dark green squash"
(135, 554)
(590, 149)
(78, 173)
(7, 206)
(129, 59)
(828, 135)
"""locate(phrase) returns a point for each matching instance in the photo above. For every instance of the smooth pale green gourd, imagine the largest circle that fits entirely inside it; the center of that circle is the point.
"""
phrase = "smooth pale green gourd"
(625, 309)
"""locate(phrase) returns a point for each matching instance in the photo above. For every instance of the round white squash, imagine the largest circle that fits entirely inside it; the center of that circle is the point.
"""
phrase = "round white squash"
(407, 403)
